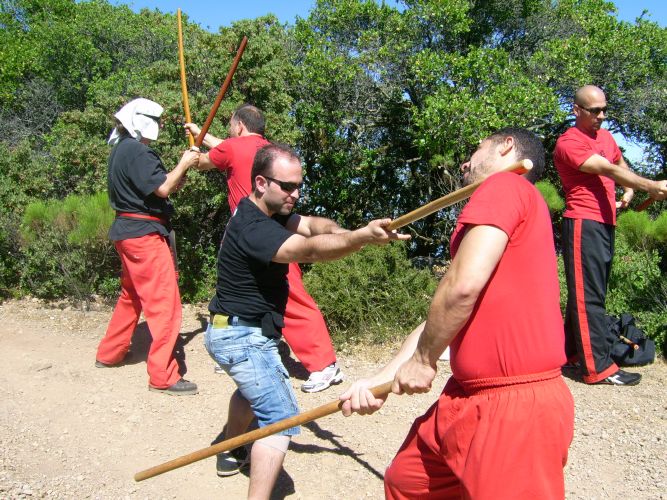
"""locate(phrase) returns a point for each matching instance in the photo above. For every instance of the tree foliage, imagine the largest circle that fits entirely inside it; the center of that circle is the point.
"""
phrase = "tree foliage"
(383, 102)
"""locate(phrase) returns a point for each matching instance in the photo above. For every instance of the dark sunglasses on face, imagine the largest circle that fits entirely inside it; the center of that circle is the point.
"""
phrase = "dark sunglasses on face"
(288, 187)
(594, 111)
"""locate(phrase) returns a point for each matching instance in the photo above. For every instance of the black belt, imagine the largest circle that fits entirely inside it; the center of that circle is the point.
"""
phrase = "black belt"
(224, 321)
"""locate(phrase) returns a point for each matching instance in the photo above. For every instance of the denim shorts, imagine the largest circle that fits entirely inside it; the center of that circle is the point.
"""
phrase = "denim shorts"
(253, 362)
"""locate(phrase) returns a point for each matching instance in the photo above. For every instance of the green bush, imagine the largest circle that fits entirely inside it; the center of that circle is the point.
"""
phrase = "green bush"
(371, 296)
(551, 196)
(65, 247)
(9, 257)
(636, 286)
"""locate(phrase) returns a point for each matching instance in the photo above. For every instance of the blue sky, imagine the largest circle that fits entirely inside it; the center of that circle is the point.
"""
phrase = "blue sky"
(211, 14)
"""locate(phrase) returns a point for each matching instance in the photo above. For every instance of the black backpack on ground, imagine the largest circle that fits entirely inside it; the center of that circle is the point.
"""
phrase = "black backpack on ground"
(631, 346)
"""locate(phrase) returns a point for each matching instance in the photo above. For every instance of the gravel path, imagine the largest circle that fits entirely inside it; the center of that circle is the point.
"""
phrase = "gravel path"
(72, 431)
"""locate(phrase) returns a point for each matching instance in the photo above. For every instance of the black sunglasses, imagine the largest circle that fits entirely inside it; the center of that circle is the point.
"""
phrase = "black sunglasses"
(594, 111)
(288, 187)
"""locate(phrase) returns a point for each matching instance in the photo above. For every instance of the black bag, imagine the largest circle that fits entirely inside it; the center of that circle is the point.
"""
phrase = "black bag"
(631, 347)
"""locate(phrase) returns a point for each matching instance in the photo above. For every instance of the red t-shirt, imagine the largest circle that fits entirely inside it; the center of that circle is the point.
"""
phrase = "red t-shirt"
(587, 196)
(235, 155)
(516, 327)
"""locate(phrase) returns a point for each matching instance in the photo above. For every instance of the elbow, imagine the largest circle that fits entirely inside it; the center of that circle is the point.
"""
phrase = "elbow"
(465, 293)
(162, 191)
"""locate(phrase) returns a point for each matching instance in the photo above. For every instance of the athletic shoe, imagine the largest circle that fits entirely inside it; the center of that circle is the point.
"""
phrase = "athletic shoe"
(318, 381)
(231, 462)
(218, 369)
(622, 378)
(181, 388)
(100, 364)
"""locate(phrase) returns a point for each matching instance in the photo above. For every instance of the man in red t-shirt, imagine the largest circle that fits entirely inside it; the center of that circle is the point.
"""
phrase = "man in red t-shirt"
(590, 164)
(502, 426)
(305, 330)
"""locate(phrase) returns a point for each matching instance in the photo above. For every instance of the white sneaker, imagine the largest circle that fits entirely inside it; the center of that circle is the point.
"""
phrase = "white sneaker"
(318, 381)
(219, 369)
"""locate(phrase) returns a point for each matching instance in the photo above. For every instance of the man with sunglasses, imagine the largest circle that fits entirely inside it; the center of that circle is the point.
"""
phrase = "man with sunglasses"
(590, 164)
(305, 329)
(261, 239)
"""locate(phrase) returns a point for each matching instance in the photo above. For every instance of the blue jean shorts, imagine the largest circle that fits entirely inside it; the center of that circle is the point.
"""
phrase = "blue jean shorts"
(253, 362)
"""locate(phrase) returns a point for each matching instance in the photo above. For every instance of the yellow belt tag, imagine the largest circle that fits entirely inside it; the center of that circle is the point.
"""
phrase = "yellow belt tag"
(220, 321)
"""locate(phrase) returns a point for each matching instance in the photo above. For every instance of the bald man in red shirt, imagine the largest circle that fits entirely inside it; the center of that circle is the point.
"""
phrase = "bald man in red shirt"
(502, 426)
(590, 164)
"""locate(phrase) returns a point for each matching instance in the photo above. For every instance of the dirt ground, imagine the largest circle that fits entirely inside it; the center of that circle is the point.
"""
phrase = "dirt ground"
(70, 430)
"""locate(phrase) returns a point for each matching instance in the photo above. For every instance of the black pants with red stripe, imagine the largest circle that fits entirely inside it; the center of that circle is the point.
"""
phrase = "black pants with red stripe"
(588, 250)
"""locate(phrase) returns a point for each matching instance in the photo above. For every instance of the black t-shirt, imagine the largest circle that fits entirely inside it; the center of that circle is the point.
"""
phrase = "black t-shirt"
(249, 284)
(135, 171)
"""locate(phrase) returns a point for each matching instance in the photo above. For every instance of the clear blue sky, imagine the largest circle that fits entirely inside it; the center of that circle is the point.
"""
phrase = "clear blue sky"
(213, 14)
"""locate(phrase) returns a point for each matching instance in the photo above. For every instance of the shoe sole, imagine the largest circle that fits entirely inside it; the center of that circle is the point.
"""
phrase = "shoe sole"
(232, 473)
(335, 381)
(190, 392)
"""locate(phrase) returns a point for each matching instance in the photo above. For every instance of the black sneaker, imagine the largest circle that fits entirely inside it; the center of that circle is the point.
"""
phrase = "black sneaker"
(181, 388)
(622, 378)
(232, 462)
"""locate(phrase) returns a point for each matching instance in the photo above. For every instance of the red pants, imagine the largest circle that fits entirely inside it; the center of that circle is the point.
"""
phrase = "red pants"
(498, 442)
(148, 283)
(305, 330)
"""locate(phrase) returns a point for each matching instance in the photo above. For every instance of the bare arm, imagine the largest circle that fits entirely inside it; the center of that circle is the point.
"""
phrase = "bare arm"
(321, 247)
(312, 226)
(415, 365)
(622, 175)
(205, 163)
(209, 141)
(174, 178)
(628, 192)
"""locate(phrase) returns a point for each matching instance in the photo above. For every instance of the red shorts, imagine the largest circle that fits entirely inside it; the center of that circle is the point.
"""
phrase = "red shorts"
(494, 439)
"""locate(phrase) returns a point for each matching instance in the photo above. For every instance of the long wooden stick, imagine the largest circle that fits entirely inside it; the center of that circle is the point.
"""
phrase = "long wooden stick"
(249, 437)
(520, 167)
(644, 205)
(184, 85)
(221, 94)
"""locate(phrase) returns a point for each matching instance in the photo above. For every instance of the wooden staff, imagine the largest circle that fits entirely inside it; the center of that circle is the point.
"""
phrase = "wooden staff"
(629, 342)
(229, 444)
(221, 94)
(644, 205)
(520, 167)
(184, 85)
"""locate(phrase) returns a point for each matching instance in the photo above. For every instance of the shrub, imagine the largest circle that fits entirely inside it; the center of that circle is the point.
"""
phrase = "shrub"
(371, 296)
(9, 257)
(551, 196)
(636, 286)
(65, 246)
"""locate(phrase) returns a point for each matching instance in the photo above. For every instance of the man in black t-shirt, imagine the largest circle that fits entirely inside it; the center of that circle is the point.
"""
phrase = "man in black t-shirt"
(138, 187)
(261, 238)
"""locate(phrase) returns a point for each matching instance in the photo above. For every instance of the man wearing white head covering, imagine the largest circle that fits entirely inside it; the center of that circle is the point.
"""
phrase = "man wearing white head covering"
(139, 186)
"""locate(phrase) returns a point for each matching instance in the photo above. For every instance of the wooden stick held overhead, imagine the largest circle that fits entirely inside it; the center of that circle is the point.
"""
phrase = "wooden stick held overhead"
(520, 167)
(184, 85)
(221, 94)
(249, 437)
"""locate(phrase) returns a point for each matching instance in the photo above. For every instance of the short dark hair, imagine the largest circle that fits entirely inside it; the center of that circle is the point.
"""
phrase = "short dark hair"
(528, 146)
(252, 118)
(263, 162)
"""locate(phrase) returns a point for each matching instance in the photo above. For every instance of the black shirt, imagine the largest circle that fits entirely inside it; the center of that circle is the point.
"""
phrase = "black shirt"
(249, 284)
(135, 171)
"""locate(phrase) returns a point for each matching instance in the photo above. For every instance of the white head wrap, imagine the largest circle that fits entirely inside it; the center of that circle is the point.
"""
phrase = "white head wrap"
(140, 118)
